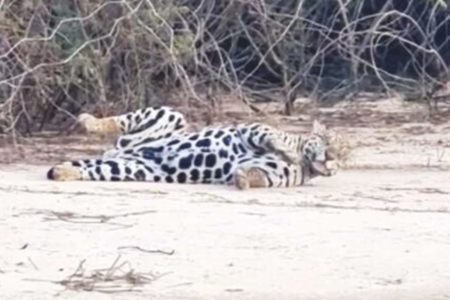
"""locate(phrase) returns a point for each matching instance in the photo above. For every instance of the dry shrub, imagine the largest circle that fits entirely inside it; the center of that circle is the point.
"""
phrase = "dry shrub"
(58, 58)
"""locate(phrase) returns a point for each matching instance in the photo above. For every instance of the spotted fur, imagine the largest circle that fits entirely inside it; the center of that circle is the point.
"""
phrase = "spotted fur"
(157, 146)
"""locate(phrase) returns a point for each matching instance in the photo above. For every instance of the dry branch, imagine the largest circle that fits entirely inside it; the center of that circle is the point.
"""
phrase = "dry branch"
(60, 58)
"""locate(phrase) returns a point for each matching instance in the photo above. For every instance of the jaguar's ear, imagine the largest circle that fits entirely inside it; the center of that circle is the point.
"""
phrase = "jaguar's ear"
(318, 128)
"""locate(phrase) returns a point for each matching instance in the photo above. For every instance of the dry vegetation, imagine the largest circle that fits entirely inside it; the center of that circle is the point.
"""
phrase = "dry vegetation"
(217, 60)
(58, 58)
(119, 277)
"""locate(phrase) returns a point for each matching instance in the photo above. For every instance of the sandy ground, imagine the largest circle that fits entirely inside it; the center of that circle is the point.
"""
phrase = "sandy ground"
(378, 230)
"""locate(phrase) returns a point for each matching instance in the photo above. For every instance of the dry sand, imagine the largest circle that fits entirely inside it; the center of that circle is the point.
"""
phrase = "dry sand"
(379, 230)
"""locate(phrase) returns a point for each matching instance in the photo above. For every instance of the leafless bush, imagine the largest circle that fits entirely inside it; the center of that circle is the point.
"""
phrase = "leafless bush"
(60, 57)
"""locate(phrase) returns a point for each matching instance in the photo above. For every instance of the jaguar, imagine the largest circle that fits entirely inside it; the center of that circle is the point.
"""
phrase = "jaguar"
(155, 144)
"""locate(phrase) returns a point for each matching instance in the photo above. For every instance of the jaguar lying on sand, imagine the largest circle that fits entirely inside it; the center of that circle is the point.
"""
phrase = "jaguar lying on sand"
(155, 145)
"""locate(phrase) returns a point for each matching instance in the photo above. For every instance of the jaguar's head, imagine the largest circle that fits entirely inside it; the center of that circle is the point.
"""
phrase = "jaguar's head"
(319, 153)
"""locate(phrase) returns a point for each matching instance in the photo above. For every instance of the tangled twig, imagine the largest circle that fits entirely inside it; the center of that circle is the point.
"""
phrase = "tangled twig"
(57, 60)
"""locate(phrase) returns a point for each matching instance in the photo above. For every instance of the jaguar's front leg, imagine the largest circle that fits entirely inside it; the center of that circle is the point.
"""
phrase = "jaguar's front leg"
(267, 171)
(282, 149)
(245, 178)
(266, 139)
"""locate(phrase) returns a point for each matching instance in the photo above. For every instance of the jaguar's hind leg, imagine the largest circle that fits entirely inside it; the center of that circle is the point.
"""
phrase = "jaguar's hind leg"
(65, 172)
(115, 169)
(100, 126)
(154, 121)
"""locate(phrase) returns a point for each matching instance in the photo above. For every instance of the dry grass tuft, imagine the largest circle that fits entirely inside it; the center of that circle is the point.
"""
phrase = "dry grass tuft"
(341, 148)
(119, 277)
